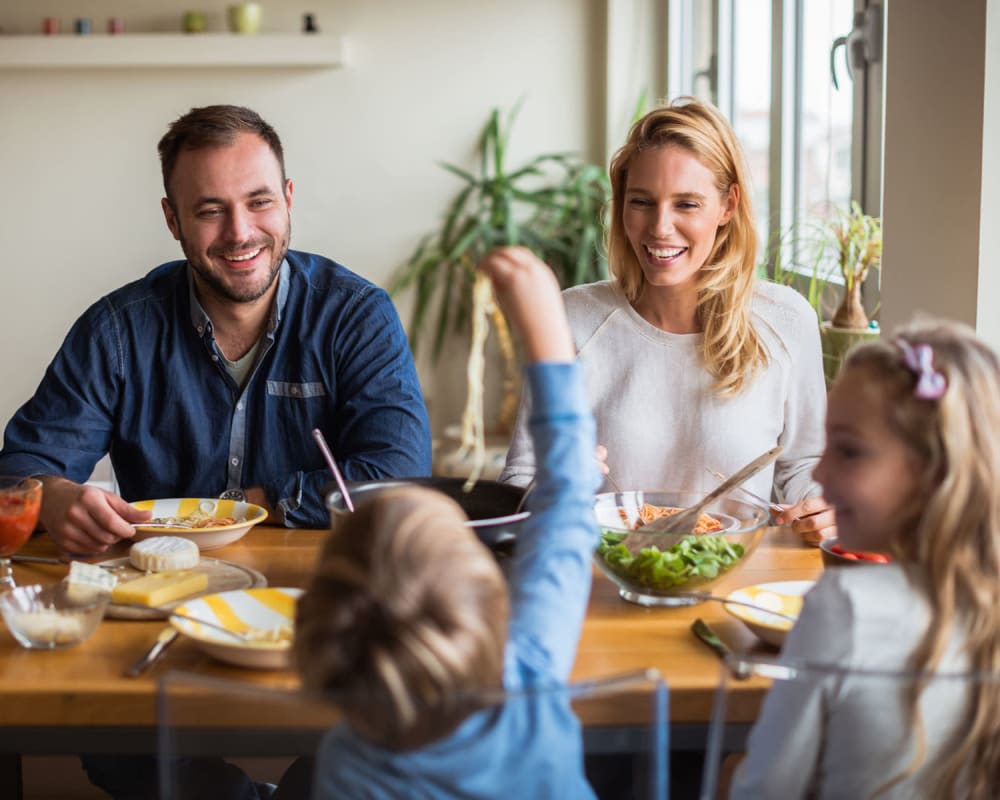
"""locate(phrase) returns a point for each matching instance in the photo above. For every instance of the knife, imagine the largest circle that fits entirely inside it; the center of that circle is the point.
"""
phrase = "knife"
(65, 562)
(163, 641)
(701, 629)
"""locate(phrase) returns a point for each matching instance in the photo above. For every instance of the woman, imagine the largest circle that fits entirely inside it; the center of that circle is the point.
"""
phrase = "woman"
(691, 363)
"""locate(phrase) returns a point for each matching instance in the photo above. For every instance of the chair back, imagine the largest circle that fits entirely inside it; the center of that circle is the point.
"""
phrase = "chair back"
(202, 719)
(868, 732)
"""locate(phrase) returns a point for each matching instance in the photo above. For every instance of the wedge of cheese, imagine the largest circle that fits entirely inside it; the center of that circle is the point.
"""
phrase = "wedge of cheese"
(160, 587)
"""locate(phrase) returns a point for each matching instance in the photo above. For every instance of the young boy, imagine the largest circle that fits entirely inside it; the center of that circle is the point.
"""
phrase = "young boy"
(408, 614)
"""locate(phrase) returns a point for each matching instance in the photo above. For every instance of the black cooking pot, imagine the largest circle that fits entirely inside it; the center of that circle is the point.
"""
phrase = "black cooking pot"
(490, 506)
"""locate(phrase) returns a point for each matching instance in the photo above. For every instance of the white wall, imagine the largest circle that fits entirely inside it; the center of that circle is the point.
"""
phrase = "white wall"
(933, 160)
(988, 320)
(79, 214)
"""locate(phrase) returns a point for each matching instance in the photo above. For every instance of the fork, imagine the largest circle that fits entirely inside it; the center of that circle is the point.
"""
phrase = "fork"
(774, 507)
(163, 613)
(185, 525)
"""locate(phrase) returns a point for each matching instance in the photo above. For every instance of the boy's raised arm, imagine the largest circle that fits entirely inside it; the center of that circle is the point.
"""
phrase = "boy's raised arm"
(528, 293)
(551, 570)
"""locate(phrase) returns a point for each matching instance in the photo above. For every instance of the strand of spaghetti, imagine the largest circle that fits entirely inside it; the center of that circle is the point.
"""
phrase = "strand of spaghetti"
(473, 427)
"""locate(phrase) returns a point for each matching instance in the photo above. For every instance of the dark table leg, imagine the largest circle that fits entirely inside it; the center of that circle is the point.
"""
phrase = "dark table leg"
(10, 776)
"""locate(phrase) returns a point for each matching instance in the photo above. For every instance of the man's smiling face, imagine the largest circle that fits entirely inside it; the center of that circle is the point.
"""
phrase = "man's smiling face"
(229, 207)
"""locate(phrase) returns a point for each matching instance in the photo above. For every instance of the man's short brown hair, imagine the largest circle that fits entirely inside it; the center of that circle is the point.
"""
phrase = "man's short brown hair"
(213, 126)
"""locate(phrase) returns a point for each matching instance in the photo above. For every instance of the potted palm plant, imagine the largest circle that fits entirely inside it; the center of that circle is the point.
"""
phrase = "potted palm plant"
(553, 204)
(849, 243)
(857, 241)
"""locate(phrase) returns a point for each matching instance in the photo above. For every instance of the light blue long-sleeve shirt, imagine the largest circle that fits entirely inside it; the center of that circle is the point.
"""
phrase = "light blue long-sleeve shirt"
(531, 747)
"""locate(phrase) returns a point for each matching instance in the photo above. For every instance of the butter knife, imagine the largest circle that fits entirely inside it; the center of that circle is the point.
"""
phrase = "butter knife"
(163, 641)
(701, 629)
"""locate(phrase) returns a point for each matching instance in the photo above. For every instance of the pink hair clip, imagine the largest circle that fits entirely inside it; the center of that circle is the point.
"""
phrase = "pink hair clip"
(931, 384)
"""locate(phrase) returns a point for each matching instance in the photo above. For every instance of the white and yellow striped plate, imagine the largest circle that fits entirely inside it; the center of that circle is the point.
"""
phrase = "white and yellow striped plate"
(785, 597)
(266, 614)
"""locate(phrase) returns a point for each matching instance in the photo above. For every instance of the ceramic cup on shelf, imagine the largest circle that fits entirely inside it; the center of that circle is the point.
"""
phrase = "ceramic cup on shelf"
(245, 17)
(193, 21)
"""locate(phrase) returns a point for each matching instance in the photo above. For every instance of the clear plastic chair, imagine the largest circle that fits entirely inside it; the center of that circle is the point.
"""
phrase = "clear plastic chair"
(202, 718)
(850, 729)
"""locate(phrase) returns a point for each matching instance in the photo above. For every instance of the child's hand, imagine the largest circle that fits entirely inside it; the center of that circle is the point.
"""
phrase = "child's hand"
(529, 296)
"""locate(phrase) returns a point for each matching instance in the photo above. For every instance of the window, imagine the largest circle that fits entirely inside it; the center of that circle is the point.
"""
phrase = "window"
(770, 65)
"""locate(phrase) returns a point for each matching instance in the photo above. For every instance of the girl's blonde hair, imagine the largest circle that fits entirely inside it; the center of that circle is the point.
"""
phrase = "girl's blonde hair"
(404, 620)
(955, 539)
(733, 350)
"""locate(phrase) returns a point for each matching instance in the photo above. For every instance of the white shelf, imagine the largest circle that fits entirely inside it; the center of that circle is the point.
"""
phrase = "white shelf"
(172, 50)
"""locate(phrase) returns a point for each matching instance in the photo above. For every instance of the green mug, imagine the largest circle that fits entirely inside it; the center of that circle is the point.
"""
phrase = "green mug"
(245, 17)
(193, 21)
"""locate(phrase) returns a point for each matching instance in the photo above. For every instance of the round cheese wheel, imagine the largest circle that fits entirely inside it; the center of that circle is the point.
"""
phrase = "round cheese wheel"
(162, 553)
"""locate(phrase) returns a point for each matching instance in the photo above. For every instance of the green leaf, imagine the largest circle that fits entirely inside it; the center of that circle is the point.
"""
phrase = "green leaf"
(553, 203)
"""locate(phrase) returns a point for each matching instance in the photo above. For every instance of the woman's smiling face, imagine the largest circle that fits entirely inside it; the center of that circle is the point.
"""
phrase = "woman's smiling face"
(672, 213)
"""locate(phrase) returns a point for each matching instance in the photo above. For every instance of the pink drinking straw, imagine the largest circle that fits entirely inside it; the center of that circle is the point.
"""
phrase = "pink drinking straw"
(332, 464)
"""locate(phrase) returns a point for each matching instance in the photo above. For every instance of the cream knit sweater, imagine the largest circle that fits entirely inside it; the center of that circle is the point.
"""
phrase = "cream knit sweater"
(655, 409)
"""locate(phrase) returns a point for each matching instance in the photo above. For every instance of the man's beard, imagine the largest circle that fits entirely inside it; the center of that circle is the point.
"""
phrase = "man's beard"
(232, 293)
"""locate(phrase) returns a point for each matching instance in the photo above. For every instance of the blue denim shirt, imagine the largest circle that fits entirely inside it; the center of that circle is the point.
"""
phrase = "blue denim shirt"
(140, 376)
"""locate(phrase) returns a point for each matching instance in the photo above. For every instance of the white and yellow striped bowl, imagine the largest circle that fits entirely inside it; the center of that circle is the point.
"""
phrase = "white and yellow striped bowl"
(239, 611)
(208, 538)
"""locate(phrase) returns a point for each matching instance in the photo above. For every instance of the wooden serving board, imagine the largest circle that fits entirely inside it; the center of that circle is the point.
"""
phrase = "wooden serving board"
(222, 577)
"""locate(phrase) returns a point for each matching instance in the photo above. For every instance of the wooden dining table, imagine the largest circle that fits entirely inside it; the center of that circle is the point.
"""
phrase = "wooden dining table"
(78, 700)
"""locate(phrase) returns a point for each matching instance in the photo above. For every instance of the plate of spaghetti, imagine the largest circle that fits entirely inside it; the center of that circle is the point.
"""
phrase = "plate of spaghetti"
(208, 522)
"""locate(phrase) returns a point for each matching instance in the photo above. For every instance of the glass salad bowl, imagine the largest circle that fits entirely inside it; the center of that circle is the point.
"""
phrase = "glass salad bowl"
(669, 569)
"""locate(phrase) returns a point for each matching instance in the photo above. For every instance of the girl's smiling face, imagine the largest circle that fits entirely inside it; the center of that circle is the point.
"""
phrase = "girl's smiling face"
(672, 214)
(869, 474)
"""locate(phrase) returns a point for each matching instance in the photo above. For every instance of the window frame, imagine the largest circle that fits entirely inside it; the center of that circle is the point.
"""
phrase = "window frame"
(687, 19)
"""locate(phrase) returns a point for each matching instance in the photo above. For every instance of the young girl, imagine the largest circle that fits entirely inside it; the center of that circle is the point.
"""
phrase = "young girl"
(690, 361)
(910, 466)
(408, 612)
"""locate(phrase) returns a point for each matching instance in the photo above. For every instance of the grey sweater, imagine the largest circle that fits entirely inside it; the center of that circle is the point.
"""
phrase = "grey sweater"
(656, 412)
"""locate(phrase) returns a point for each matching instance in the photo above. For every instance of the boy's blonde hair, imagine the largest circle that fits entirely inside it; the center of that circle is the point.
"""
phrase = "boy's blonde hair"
(733, 350)
(406, 613)
(954, 535)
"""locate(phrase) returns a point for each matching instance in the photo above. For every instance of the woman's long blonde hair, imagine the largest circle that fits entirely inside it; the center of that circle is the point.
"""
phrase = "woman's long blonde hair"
(733, 350)
(955, 537)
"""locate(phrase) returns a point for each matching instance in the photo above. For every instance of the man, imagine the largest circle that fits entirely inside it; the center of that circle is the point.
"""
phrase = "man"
(209, 374)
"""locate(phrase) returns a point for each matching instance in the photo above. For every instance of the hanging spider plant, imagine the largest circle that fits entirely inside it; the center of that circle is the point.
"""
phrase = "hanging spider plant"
(554, 204)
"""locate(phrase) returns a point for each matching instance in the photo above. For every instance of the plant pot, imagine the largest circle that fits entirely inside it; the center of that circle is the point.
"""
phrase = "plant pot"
(837, 342)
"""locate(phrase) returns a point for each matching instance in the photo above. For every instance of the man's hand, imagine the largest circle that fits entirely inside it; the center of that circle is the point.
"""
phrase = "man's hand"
(813, 519)
(84, 520)
(528, 293)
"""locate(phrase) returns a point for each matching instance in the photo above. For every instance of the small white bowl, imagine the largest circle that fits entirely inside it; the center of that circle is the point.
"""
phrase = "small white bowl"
(269, 609)
(208, 538)
(54, 616)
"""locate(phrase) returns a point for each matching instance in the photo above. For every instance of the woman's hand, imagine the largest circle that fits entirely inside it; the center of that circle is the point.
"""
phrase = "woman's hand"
(813, 519)
(601, 454)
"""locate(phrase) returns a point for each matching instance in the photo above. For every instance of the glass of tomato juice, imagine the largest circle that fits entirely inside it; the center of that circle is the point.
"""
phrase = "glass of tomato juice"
(20, 502)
